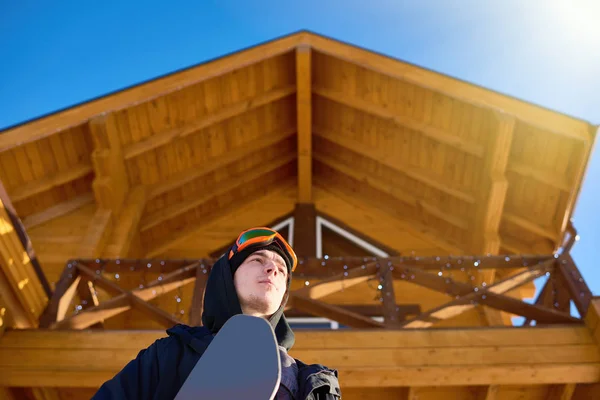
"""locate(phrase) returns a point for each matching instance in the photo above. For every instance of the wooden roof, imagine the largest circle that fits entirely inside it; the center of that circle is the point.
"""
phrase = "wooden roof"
(480, 171)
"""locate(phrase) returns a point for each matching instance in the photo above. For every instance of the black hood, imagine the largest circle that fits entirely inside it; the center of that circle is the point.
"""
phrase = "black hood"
(221, 303)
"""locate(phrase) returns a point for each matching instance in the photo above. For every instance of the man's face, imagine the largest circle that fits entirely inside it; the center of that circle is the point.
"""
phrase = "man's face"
(260, 282)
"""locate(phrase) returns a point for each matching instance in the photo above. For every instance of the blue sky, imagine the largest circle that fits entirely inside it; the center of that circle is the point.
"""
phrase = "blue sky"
(57, 54)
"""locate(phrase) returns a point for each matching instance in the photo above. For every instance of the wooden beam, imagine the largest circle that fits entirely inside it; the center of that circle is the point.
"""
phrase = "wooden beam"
(125, 300)
(304, 120)
(61, 298)
(111, 183)
(592, 319)
(58, 210)
(338, 282)
(396, 164)
(305, 225)
(494, 187)
(490, 296)
(478, 96)
(164, 138)
(20, 283)
(81, 114)
(403, 121)
(126, 227)
(365, 358)
(39, 186)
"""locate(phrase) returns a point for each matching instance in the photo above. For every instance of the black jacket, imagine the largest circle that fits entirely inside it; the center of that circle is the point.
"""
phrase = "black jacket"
(159, 371)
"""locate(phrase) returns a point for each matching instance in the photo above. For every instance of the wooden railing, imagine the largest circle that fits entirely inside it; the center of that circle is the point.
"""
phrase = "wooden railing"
(564, 284)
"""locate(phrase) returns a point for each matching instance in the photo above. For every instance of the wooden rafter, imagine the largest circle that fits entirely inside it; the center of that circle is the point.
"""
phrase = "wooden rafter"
(304, 118)
(164, 138)
(20, 285)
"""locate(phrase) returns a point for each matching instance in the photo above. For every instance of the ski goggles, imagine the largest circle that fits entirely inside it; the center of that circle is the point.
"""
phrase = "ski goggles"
(262, 237)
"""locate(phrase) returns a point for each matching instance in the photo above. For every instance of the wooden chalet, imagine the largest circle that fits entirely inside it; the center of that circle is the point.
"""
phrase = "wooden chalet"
(423, 209)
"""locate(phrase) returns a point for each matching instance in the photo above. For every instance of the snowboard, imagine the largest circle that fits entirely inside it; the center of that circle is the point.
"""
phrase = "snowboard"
(241, 362)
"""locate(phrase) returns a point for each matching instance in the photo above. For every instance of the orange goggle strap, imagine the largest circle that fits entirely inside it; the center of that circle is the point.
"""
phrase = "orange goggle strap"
(263, 241)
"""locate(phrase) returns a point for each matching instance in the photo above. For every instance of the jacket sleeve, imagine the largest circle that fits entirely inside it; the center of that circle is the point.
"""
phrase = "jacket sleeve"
(136, 381)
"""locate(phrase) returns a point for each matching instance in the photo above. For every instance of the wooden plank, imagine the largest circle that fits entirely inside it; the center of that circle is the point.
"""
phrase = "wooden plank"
(78, 115)
(394, 163)
(592, 318)
(25, 295)
(58, 210)
(133, 340)
(426, 130)
(478, 96)
(304, 120)
(468, 375)
(165, 138)
(216, 163)
(403, 310)
(41, 185)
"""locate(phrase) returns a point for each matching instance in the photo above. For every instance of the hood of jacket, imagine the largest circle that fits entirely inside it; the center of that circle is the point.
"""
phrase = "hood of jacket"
(221, 303)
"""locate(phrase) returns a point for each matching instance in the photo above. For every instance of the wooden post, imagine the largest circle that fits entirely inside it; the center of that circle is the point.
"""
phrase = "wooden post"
(305, 235)
(304, 121)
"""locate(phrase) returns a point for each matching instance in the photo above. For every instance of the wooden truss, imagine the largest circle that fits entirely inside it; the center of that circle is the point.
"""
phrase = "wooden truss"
(564, 285)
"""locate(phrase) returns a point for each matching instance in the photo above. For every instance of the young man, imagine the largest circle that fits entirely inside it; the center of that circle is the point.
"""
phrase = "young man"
(252, 278)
